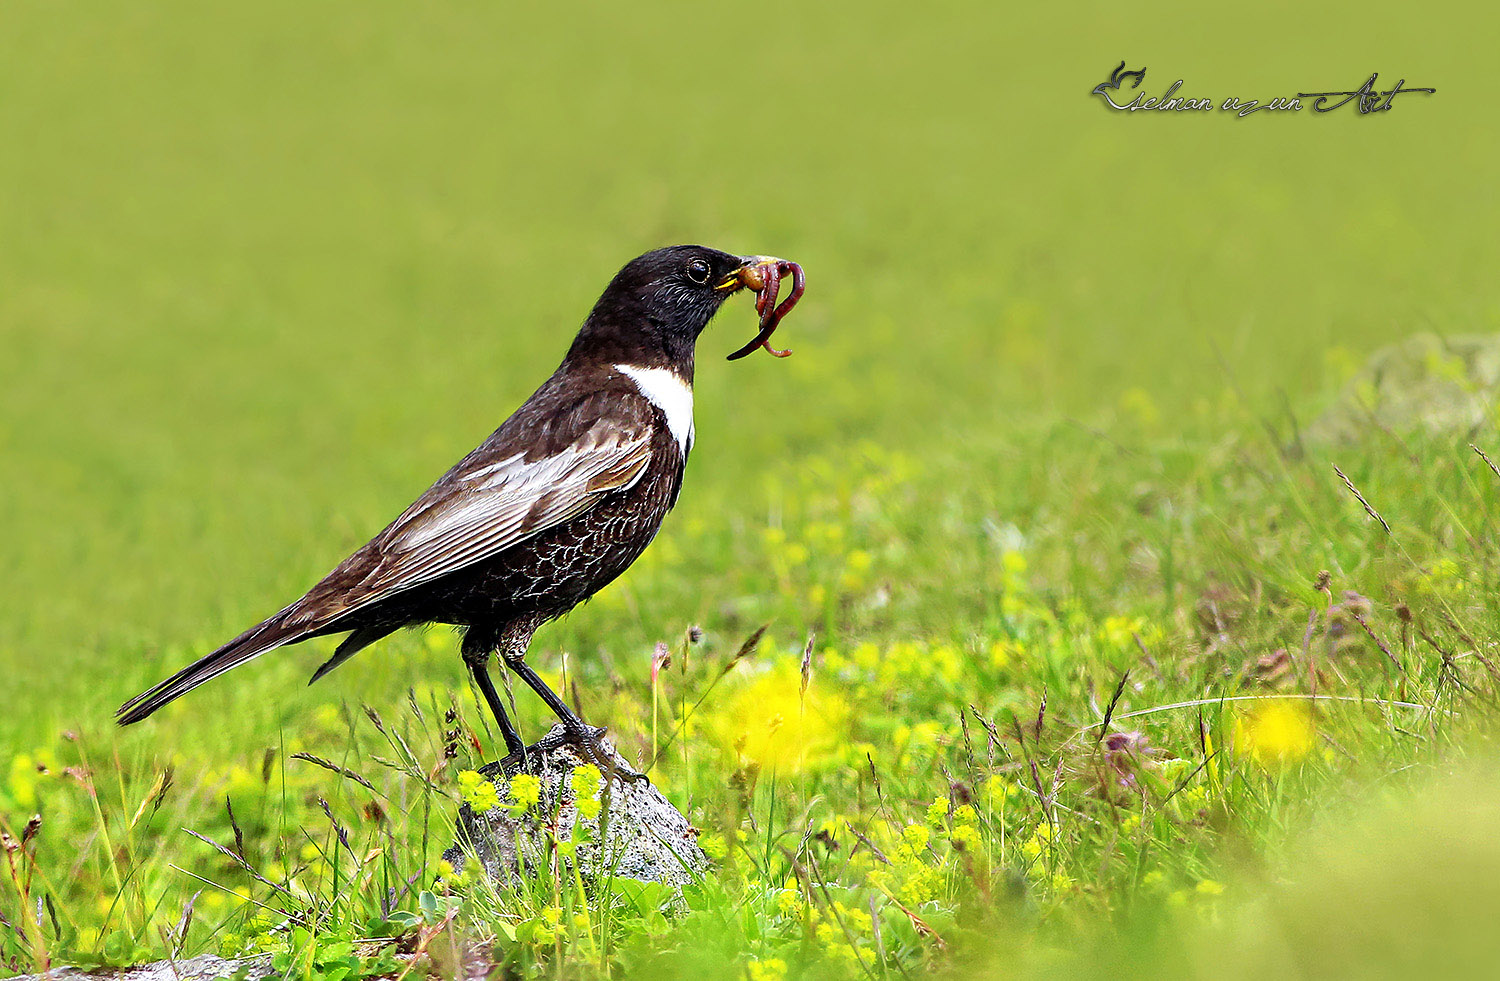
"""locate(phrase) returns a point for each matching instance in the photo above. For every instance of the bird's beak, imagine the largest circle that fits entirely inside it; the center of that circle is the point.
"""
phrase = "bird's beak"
(751, 274)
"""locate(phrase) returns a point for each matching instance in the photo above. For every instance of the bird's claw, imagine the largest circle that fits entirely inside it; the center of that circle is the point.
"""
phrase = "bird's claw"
(581, 735)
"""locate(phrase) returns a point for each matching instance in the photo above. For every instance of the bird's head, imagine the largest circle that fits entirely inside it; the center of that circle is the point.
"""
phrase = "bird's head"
(652, 312)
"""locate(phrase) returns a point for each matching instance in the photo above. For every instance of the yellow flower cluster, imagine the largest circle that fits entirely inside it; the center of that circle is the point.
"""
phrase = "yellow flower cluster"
(773, 723)
(1203, 897)
(789, 901)
(714, 847)
(26, 774)
(1276, 733)
(965, 834)
(1444, 578)
(546, 926)
(836, 928)
(998, 792)
(1039, 842)
(906, 662)
(769, 969)
(586, 783)
(961, 823)
(921, 880)
(523, 794)
(820, 557)
(1121, 632)
(477, 792)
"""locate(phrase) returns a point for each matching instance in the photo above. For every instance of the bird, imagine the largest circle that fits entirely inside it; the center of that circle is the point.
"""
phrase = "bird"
(551, 508)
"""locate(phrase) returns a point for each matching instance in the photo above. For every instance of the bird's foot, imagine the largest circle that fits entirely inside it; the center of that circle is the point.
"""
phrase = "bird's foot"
(587, 738)
(577, 733)
(582, 734)
(518, 762)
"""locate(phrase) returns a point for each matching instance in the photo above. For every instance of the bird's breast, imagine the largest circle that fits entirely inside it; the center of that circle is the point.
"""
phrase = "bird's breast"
(669, 392)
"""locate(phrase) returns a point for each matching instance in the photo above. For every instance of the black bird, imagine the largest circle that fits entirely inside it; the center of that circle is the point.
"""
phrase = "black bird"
(555, 504)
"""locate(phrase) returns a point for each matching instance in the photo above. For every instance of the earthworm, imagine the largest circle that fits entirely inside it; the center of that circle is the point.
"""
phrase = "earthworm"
(770, 312)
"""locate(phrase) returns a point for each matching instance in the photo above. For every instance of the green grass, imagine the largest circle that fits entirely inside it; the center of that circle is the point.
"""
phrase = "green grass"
(264, 273)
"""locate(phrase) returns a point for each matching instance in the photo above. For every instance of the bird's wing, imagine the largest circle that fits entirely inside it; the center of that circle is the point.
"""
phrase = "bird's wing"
(497, 505)
(496, 497)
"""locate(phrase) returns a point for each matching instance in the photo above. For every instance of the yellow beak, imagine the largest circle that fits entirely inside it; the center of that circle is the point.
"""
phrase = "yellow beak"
(751, 275)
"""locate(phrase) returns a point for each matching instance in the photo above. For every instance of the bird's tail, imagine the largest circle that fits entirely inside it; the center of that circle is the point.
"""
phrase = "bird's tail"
(254, 642)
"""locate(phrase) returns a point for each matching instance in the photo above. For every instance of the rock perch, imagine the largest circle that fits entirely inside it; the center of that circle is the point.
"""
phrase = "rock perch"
(645, 837)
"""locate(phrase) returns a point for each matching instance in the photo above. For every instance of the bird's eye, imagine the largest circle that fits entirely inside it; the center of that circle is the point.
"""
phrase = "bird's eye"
(698, 271)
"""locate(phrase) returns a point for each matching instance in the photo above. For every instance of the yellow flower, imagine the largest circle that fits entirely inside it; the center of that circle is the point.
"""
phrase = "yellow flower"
(965, 837)
(586, 781)
(770, 969)
(1040, 841)
(921, 885)
(328, 716)
(1276, 732)
(1137, 402)
(477, 792)
(524, 792)
(915, 838)
(867, 656)
(1002, 652)
(999, 790)
(770, 722)
(27, 774)
(1121, 631)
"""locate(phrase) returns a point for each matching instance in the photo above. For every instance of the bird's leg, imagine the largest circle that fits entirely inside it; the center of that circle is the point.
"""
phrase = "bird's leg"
(512, 643)
(584, 735)
(477, 657)
(572, 723)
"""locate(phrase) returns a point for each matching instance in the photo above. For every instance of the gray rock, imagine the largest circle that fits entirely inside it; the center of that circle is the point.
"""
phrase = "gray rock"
(645, 837)
(1424, 384)
(193, 969)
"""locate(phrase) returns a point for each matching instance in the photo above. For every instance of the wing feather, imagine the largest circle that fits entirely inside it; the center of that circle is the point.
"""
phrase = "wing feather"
(479, 509)
(511, 501)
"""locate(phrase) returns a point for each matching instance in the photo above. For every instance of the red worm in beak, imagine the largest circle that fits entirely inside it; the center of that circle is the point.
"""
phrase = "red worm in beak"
(770, 312)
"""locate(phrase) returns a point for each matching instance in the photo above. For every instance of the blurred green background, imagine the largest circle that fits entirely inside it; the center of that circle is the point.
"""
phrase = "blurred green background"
(266, 270)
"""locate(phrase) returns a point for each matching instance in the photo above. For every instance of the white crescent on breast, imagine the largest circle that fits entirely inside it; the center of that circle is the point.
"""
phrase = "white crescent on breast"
(668, 392)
